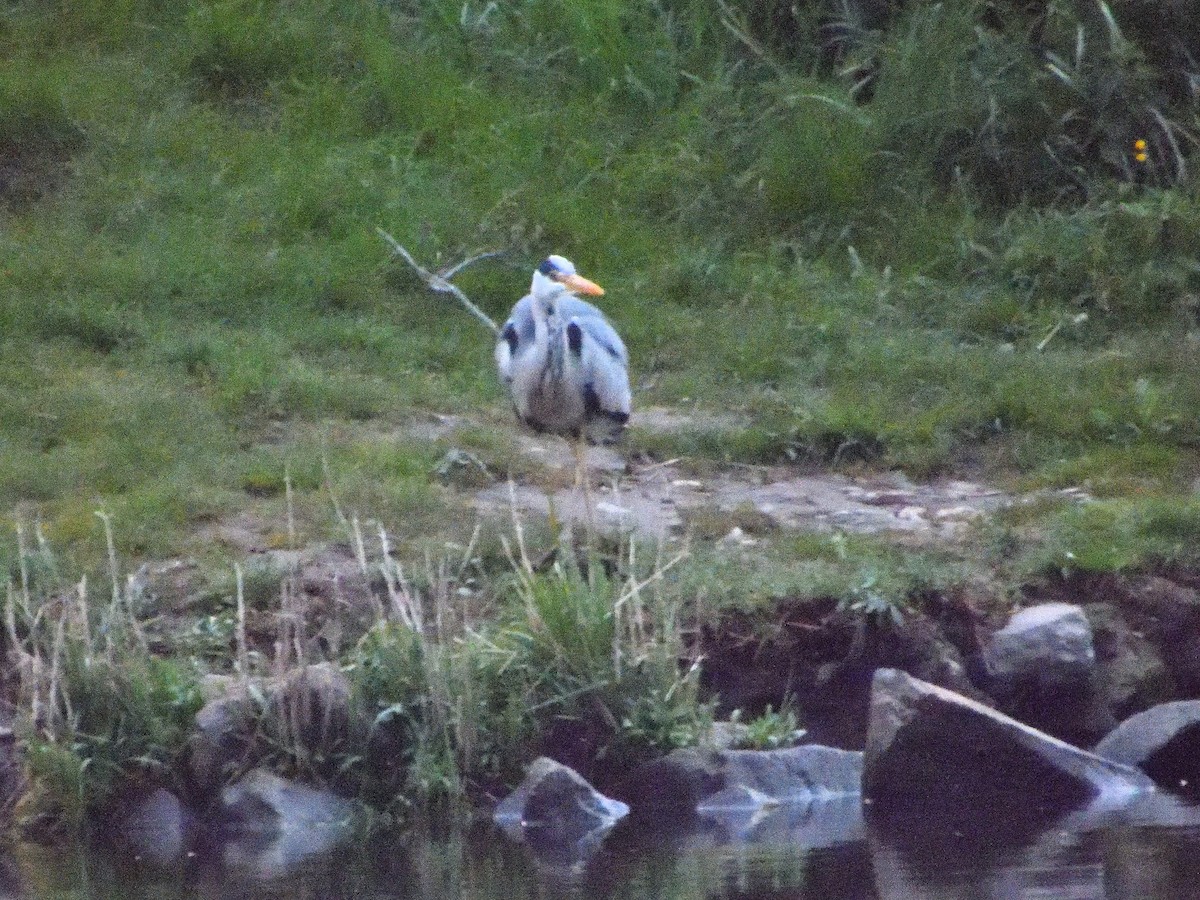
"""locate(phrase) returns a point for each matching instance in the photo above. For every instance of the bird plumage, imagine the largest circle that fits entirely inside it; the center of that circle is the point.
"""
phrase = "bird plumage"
(565, 366)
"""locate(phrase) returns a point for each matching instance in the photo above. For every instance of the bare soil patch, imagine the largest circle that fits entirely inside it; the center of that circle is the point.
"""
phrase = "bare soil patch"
(659, 499)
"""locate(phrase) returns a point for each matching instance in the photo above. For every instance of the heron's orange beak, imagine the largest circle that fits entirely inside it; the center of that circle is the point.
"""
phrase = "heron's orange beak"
(577, 284)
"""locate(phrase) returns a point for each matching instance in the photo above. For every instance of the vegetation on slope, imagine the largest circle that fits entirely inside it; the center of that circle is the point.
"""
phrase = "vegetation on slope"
(942, 236)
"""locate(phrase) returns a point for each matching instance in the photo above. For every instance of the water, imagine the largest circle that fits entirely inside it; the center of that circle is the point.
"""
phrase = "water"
(1148, 852)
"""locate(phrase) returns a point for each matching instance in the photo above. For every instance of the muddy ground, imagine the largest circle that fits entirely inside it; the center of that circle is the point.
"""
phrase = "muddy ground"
(659, 499)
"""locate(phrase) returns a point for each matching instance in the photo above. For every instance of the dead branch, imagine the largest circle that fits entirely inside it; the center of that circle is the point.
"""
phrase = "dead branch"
(439, 281)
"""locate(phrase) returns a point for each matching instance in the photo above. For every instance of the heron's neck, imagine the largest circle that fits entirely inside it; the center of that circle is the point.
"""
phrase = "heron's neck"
(548, 333)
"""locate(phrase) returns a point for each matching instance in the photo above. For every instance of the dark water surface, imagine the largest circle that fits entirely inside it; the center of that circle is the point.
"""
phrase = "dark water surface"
(1149, 852)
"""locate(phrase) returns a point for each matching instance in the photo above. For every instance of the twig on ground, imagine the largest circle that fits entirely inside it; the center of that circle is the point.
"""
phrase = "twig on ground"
(439, 281)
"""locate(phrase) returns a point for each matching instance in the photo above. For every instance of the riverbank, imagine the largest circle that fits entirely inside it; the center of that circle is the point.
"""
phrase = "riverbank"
(405, 682)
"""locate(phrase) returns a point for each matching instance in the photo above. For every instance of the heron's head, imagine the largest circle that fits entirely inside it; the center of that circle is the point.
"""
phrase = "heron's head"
(557, 274)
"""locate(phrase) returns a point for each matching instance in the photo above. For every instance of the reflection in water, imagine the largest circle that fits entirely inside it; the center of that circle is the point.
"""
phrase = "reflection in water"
(1150, 851)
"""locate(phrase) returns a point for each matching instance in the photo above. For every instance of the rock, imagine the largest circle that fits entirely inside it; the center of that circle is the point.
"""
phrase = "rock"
(796, 774)
(558, 813)
(310, 710)
(307, 710)
(1169, 615)
(557, 798)
(1164, 742)
(799, 826)
(151, 826)
(270, 825)
(1132, 674)
(222, 740)
(262, 802)
(1054, 638)
(667, 793)
(1041, 668)
(940, 758)
(738, 798)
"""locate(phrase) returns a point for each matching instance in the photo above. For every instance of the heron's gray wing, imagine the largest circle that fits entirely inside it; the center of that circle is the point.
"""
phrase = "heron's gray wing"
(597, 327)
(522, 318)
(516, 333)
(571, 307)
(603, 364)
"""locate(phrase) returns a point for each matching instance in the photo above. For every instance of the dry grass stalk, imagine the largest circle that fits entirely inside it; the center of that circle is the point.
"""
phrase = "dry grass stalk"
(242, 664)
(406, 603)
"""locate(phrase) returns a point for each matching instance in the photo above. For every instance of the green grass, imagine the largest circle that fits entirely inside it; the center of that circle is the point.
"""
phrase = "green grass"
(586, 654)
(920, 241)
(196, 273)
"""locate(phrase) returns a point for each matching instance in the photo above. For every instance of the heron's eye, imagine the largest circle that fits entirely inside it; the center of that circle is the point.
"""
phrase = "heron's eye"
(549, 269)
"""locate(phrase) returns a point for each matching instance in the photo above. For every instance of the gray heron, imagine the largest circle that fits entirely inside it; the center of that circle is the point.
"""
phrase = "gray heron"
(565, 366)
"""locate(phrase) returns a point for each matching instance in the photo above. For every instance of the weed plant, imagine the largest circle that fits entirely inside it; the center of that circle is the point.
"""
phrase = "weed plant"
(461, 704)
(97, 709)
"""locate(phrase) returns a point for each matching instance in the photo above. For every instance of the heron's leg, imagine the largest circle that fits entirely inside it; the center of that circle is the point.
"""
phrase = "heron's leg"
(577, 452)
(579, 446)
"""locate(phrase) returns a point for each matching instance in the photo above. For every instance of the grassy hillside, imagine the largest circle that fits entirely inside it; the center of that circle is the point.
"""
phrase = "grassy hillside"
(925, 235)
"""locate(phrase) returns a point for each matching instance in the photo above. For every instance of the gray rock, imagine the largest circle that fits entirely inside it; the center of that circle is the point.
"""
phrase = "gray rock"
(221, 740)
(307, 710)
(1042, 669)
(1163, 741)
(796, 774)
(941, 757)
(738, 798)
(152, 827)
(801, 826)
(1132, 673)
(668, 792)
(1051, 640)
(311, 709)
(270, 825)
(556, 798)
(561, 817)
(264, 803)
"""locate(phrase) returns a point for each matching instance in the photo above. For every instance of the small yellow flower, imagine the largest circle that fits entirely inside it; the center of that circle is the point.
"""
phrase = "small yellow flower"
(1139, 150)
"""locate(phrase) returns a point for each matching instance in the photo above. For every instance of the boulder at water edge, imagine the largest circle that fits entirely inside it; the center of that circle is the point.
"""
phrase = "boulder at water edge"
(262, 802)
(1042, 669)
(940, 759)
(270, 825)
(669, 792)
(554, 797)
(1163, 741)
(150, 826)
(222, 734)
(556, 812)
